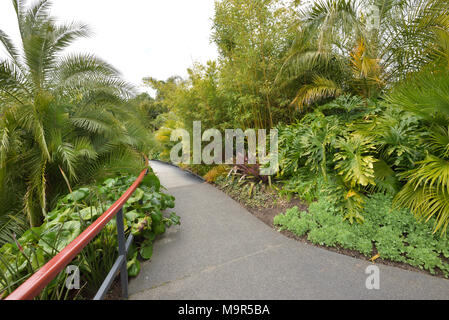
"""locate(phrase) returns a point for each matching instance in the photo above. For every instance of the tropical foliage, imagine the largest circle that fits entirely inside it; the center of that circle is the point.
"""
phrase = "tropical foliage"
(389, 234)
(426, 95)
(65, 119)
(72, 214)
(361, 47)
(371, 140)
(358, 90)
(67, 122)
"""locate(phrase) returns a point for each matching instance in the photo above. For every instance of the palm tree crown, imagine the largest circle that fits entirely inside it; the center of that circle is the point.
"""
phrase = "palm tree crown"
(64, 117)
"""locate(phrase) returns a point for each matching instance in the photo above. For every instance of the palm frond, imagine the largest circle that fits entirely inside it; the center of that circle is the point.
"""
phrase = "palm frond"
(11, 49)
(12, 84)
(11, 225)
(80, 65)
(426, 203)
(425, 93)
(39, 12)
(321, 88)
(438, 140)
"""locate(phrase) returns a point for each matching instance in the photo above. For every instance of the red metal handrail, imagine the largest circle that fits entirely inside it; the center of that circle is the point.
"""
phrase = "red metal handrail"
(38, 281)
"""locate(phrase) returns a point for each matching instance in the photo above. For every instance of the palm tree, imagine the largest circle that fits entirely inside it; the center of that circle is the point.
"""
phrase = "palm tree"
(64, 117)
(426, 94)
(361, 46)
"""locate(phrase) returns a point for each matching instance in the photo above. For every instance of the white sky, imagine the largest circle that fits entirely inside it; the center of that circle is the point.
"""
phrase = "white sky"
(157, 38)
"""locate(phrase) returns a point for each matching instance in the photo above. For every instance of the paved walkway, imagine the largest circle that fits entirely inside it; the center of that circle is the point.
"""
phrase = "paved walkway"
(222, 252)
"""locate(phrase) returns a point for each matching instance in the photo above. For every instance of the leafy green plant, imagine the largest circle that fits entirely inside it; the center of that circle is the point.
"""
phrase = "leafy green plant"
(353, 160)
(304, 185)
(426, 95)
(144, 218)
(337, 50)
(426, 191)
(323, 155)
(307, 143)
(394, 234)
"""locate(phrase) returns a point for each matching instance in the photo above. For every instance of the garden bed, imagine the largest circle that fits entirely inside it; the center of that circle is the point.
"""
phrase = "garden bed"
(270, 204)
(266, 203)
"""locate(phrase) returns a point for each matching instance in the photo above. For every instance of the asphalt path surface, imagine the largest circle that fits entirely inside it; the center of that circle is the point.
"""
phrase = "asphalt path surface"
(222, 252)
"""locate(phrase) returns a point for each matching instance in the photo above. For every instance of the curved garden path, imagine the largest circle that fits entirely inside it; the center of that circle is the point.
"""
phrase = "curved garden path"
(221, 251)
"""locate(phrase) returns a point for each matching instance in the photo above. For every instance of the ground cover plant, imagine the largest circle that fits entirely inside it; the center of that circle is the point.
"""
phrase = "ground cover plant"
(388, 234)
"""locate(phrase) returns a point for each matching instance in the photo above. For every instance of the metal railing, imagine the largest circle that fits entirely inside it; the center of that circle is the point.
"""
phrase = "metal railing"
(39, 280)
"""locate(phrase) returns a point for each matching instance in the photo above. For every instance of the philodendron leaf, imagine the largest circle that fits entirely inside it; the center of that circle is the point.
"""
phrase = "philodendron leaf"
(138, 195)
(158, 228)
(89, 213)
(152, 181)
(78, 195)
(133, 266)
(141, 225)
(132, 215)
(146, 250)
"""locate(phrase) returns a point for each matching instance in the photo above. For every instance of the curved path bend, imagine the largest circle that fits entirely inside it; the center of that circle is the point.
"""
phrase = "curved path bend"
(221, 251)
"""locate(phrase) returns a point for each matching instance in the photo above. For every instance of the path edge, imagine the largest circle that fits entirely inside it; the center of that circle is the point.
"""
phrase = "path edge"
(196, 176)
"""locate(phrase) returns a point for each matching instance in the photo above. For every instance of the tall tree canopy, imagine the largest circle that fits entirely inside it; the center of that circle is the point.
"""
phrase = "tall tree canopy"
(64, 117)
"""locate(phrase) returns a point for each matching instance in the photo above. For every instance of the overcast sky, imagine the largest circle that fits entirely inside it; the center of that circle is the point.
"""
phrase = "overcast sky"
(141, 38)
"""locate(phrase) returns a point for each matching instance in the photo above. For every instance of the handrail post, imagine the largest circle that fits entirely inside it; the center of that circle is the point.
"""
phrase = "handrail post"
(122, 252)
